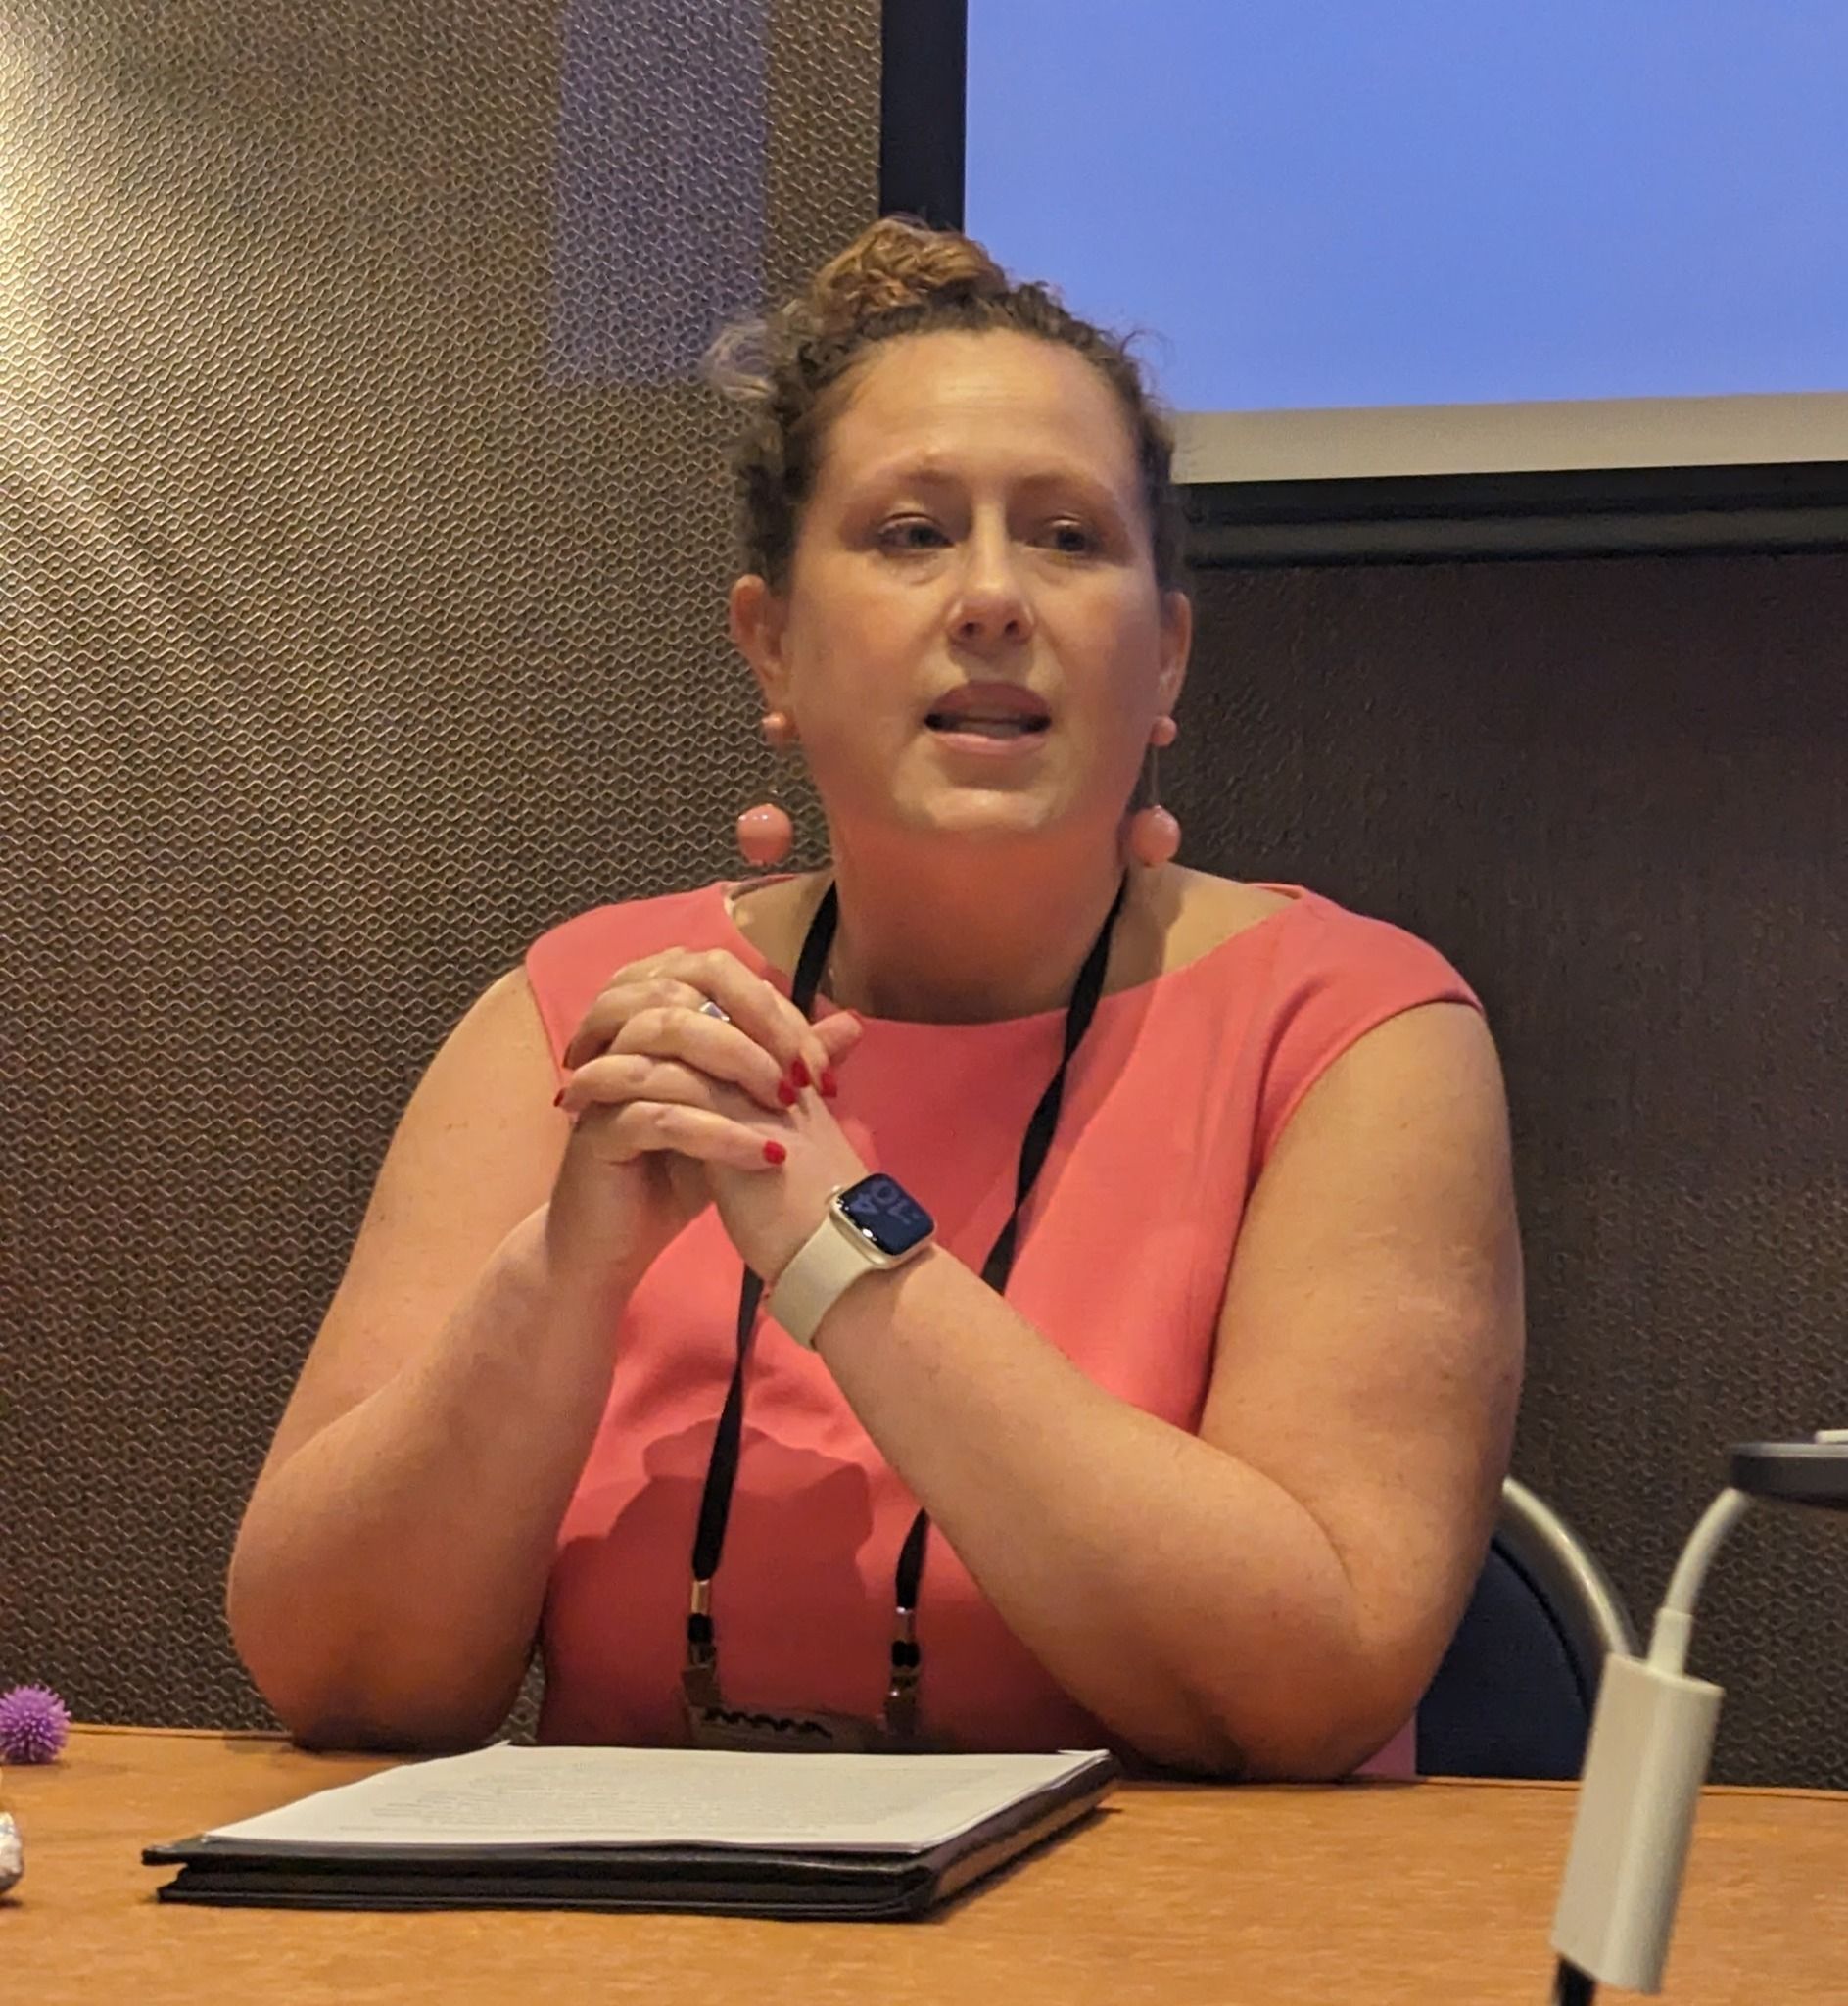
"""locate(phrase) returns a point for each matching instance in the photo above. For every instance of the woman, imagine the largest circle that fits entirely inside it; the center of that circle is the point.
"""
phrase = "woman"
(1208, 1437)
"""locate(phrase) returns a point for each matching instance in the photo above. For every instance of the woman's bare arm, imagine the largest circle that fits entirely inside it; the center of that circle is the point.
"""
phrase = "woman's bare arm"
(388, 1575)
(1271, 1595)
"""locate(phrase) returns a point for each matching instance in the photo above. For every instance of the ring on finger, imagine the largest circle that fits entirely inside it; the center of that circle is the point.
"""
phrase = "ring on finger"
(711, 1009)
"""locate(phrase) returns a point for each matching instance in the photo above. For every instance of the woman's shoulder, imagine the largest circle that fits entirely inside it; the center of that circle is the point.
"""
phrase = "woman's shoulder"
(1313, 941)
(572, 960)
(1198, 913)
(697, 911)
(1328, 976)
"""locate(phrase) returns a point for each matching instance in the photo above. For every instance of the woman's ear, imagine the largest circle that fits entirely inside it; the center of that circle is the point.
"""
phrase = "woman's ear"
(1177, 641)
(757, 616)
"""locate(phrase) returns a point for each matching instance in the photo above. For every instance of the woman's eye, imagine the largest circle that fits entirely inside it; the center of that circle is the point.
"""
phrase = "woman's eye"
(911, 533)
(1071, 539)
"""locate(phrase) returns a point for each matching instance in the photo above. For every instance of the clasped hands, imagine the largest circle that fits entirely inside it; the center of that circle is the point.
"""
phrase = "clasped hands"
(676, 1105)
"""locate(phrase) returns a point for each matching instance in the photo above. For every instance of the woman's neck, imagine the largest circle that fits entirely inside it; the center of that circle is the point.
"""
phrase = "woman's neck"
(963, 936)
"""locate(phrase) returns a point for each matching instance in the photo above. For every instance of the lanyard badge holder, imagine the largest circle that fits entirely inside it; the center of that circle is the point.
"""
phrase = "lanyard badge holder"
(710, 1722)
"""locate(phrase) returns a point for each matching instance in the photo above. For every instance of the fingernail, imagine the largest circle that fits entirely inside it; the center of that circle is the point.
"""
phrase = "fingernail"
(785, 1093)
(774, 1153)
(831, 1086)
(799, 1072)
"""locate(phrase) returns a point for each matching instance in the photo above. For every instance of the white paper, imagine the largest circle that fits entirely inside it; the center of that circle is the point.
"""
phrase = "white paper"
(507, 1797)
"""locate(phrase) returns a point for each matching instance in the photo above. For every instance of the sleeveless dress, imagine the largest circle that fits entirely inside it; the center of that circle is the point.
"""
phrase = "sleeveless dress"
(1172, 1106)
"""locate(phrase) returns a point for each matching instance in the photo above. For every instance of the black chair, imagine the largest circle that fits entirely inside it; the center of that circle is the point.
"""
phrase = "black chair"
(1515, 1692)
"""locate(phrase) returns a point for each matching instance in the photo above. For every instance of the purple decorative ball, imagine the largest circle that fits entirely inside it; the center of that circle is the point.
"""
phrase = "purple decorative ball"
(33, 1725)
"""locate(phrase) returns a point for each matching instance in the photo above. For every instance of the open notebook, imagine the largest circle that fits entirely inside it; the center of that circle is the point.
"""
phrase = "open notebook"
(810, 1835)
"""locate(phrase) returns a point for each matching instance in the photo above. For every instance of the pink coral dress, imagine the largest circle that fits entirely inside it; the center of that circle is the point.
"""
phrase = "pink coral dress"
(1175, 1102)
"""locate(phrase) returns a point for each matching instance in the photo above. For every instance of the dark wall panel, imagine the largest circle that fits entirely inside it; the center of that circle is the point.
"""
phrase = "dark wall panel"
(1615, 791)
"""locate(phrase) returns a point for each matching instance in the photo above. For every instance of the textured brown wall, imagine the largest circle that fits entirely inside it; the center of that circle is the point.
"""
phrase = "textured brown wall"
(344, 650)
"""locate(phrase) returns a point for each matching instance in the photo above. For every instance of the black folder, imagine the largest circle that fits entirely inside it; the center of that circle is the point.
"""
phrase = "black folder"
(810, 1884)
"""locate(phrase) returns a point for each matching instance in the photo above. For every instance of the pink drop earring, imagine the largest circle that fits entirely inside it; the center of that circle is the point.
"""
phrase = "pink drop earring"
(764, 832)
(1155, 836)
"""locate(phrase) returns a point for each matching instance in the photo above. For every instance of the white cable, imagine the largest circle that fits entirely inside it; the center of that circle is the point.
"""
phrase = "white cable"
(1651, 1735)
(1674, 1620)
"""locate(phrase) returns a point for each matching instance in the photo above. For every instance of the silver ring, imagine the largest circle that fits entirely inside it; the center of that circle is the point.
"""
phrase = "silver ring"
(710, 1008)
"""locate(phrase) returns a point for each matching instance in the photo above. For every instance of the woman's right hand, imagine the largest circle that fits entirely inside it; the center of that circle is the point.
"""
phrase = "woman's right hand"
(656, 1086)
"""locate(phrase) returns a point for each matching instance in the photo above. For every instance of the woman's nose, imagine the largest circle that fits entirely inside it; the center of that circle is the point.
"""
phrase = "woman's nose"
(991, 606)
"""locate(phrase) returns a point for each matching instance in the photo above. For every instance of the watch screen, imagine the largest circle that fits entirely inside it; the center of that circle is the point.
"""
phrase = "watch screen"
(886, 1213)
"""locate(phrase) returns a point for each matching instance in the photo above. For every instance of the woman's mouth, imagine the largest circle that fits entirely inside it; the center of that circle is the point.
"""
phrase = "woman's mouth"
(1000, 713)
(987, 727)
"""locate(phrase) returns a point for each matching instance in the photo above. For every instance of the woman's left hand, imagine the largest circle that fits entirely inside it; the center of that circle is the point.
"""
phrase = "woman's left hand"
(769, 1214)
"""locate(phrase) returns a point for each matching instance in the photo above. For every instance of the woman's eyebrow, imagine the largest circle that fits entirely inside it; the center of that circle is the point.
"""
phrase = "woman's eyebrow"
(1100, 494)
(906, 473)
(927, 473)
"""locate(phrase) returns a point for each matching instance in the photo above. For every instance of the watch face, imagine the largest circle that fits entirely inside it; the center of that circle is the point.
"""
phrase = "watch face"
(886, 1213)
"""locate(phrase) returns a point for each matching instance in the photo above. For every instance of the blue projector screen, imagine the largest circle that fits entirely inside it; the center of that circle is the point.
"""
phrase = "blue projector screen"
(1423, 236)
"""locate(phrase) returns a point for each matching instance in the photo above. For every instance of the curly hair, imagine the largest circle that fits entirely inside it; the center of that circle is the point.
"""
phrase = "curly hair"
(899, 278)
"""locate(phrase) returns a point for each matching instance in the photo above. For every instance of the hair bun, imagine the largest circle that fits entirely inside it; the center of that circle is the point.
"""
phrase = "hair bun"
(896, 279)
(898, 264)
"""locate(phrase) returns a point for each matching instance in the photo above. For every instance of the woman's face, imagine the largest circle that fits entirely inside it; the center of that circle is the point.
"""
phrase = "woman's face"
(971, 640)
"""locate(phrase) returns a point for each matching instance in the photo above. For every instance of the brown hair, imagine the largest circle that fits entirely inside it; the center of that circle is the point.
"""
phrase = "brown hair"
(899, 278)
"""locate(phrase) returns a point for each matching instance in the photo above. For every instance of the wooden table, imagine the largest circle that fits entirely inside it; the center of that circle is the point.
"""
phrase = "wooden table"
(1365, 1895)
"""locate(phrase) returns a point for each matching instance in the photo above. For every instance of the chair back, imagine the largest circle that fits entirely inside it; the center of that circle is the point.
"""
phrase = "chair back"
(1515, 1692)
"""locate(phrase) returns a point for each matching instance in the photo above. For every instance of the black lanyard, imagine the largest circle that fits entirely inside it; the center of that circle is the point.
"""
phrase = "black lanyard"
(715, 1504)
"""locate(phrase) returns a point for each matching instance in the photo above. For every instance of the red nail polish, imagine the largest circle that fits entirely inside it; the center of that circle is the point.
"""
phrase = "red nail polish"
(831, 1086)
(774, 1153)
(799, 1072)
(785, 1093)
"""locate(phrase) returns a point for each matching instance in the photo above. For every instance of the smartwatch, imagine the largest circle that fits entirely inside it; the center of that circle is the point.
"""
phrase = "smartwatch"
(869, 1229)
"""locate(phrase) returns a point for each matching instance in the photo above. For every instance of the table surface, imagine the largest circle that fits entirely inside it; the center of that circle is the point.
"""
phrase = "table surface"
(1368, 1894)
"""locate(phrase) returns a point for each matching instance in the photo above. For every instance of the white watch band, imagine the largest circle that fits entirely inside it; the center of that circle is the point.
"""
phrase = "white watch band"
(825, 1265)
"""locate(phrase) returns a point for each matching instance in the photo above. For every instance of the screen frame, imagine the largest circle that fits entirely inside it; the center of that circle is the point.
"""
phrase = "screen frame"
(920, 1225)
(1617, 510)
